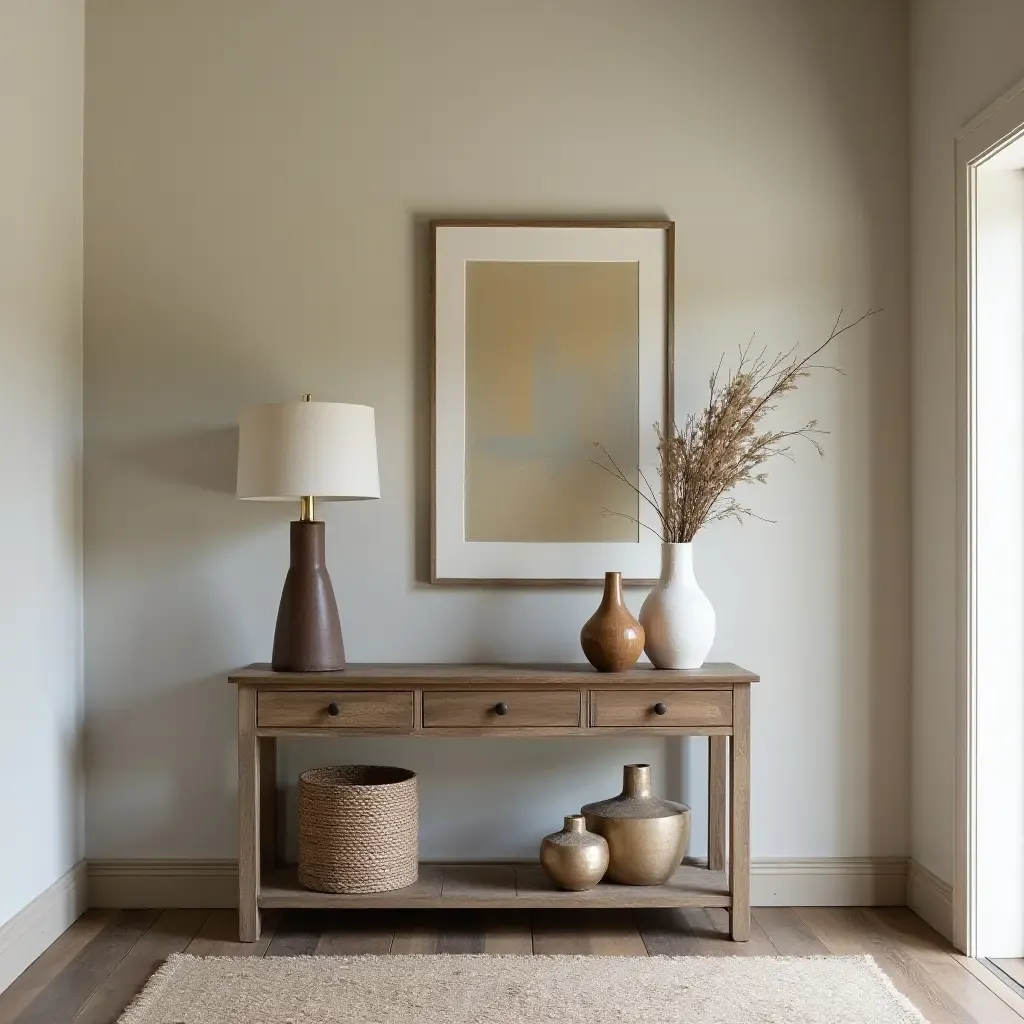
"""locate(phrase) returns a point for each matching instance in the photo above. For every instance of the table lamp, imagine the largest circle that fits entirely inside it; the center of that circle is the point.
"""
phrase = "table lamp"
(302, 451)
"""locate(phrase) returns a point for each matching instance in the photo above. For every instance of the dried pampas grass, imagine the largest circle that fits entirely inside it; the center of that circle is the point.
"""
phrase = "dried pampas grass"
(722, 445)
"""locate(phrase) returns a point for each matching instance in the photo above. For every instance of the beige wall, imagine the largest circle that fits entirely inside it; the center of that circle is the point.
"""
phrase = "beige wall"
(963, 57)
(40, 453)
(257, 179)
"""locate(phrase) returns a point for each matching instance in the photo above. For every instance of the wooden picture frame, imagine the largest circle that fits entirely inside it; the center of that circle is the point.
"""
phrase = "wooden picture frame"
(574, 284)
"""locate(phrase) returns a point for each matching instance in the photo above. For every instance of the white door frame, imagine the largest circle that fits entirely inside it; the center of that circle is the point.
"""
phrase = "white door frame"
(991, 131)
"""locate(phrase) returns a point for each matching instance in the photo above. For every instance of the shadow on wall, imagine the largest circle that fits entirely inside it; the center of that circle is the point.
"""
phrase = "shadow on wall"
(203, 459)
(504, 811)
(151, 802)
(167, 544)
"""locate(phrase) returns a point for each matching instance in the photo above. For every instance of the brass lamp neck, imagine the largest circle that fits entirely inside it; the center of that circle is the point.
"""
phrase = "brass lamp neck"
(306, 513)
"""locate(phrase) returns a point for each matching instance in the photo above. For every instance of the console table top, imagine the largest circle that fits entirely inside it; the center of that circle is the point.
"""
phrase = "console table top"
(569, 674)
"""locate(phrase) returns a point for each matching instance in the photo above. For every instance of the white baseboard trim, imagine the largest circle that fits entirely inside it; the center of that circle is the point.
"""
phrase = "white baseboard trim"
(930, 898)
(774, 882)
(828, 882)
(41, 923)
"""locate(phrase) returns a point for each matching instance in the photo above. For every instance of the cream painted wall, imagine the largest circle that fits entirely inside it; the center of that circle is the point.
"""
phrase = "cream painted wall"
(963, 56)
(257, 178)
(40, 446)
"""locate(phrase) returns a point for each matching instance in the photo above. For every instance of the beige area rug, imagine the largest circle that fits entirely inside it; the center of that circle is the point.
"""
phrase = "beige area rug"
(521, 990)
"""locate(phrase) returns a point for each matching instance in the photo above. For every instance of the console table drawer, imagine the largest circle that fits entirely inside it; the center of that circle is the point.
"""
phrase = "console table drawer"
(327, 709)
(665, 708)
(483, 709)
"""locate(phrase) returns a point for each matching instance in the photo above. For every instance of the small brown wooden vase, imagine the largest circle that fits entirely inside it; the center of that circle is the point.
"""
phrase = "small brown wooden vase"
(308, 634)
(612, 639)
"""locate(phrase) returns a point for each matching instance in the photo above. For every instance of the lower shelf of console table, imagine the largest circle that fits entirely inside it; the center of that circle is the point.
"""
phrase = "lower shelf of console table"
(504, 886)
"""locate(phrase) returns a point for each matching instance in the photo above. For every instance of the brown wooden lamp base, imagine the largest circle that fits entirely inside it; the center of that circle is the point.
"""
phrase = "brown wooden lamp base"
(308, 634)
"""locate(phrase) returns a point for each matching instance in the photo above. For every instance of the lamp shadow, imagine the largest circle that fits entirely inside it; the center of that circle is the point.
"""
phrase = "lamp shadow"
(201, 459)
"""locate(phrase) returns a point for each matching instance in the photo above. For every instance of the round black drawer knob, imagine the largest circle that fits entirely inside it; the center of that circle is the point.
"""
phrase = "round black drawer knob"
(660, 709)
(501, 709)
(333, 709)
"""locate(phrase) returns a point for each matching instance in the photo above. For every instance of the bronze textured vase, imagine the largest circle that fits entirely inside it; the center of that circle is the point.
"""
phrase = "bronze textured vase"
(574, 858)
(612, 639)
(646, 836)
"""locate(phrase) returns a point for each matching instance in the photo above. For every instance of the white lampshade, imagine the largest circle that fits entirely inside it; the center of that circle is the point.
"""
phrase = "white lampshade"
(293, 449)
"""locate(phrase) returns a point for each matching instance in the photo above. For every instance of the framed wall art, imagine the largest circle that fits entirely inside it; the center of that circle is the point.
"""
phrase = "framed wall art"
(549, 338)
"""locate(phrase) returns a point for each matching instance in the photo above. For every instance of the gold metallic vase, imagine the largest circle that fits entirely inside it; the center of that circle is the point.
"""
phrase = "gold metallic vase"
(647, 836)
(574, 858)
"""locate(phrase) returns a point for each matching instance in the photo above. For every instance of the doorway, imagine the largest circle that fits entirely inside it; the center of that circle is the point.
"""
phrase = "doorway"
(988, 890)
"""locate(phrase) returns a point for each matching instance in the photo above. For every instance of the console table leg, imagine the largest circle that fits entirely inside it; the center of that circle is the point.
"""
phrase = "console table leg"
(717, 801)
(739, 804)
(248, 817)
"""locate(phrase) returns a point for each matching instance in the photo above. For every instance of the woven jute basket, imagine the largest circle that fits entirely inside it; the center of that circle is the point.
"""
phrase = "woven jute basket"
(358, 828)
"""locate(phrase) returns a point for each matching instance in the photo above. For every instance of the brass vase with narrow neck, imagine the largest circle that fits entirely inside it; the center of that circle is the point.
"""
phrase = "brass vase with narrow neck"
(646, 835)
(308, 633)
(611, 638)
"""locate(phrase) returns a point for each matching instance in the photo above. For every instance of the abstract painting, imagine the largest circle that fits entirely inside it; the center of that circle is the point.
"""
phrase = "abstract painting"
(551, 365)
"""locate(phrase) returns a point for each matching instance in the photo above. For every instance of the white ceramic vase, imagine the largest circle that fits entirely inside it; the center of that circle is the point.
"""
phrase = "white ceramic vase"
(677, 616)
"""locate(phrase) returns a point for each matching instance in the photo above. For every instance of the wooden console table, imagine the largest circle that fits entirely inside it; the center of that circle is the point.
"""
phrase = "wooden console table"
(506, 701)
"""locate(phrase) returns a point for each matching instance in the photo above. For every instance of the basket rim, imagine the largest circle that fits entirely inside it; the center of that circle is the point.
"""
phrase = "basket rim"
(323, 775)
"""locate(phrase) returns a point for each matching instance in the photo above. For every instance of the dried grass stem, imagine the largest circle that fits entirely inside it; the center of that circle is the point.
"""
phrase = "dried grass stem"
(723, 445)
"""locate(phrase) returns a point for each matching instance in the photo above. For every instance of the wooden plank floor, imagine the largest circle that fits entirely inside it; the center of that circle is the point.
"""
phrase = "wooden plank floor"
(92, 972)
